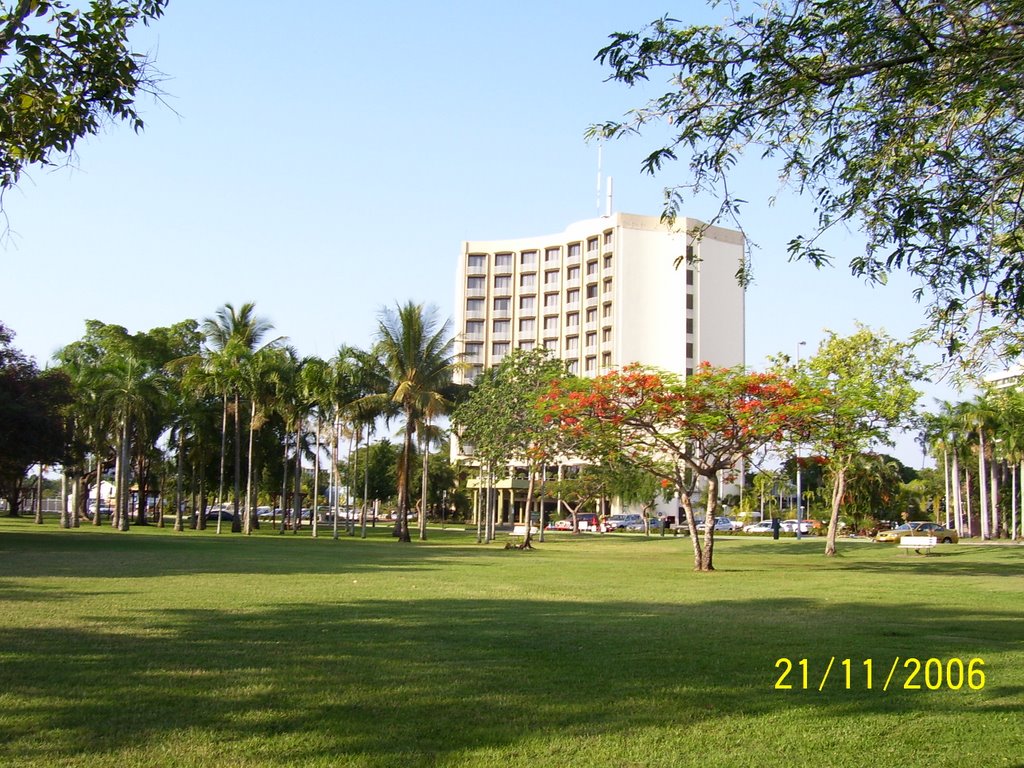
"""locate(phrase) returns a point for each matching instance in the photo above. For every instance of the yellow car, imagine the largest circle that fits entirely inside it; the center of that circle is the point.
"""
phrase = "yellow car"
(919, 528)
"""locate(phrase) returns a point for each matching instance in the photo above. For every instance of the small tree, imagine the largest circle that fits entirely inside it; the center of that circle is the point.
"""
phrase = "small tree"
(864, 383)
(678, 430)
(500, 421)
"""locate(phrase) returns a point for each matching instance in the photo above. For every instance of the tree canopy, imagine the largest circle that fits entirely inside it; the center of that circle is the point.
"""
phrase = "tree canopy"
(902, 117)
(64, 71)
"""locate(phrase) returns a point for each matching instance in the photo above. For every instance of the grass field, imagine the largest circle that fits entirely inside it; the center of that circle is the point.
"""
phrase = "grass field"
(159, 649)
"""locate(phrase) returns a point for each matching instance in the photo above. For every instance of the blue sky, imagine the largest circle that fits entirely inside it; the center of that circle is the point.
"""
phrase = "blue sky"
(328, 159)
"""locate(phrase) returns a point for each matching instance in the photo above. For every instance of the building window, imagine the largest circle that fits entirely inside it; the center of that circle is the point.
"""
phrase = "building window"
(475, 284)
(502, 305)
(592, 315)
(606, 310)
(573, 367)
(606, 335)
(503, 259)
(592, 291)
(572, 319)
(689, 325)
(591, 268)
(551, 345)
(551, 277)
(500, 348)
(574, 251)
(475, 328)
(551, 323)
(474, 306)
(591, 244)
(572, 273)
(475, 261)
(689, 277)
(606, 359)
(475, 353)
(503, 282)
(607, 238)
(527, 325)
(552, 254)
(572, 343)
(689, 301)
(528, 281)
(527, 344)
(607, 285)
(502, 327)
(572, 296)
(608, 261)
(590, 365)
(591, 339)
(528, 258)
(689, 350)
(550, 299)
(527, 303)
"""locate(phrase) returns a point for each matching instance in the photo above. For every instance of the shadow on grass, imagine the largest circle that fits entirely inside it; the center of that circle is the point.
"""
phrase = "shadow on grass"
(402, 681)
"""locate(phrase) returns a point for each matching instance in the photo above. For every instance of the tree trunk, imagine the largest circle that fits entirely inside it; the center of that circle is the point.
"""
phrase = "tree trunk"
(315, 506)
(236, 521)
(297, 486)
(423, 483)
(39, 498)
(403, 482)
(707, 556)
(833, 522)
(982, 488)
(179, 469)
(223, 456)
(247, 523)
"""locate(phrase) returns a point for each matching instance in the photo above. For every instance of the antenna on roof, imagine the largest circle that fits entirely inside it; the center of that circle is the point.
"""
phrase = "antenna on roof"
(600, 147)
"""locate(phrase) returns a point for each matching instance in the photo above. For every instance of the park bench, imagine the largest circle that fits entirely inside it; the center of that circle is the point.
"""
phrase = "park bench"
(918, 543)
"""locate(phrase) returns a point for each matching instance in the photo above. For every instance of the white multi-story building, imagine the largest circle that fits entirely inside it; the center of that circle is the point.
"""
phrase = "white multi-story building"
(604, 293)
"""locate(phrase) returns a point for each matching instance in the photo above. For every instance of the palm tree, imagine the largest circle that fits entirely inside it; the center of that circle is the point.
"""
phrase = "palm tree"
(417, 351)
(232, 336)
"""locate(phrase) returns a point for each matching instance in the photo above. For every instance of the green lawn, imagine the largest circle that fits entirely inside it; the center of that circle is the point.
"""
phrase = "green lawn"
(159, 649)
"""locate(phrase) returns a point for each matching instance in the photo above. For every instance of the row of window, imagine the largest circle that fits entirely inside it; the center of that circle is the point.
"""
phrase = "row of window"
(528, 304)
(528, 280)
(503, 348)
(529, 258)
(503, 331)
(475, 310)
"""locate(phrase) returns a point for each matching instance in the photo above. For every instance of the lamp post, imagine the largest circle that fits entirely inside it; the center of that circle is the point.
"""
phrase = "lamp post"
(799, 497)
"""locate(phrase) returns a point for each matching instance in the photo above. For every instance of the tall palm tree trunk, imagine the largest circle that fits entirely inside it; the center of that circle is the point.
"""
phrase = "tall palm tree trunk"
(236, 520)
(982, 487)
(425, 440)
(247, 526)
(223, 455)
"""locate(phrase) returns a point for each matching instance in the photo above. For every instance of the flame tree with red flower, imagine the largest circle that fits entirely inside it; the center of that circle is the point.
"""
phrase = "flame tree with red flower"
(680, 430)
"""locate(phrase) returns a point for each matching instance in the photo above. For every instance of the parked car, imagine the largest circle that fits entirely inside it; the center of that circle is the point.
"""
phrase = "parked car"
(791, 525)
(765, 526)
(919, 528)
(561, 525)
(638, 525)
(624, 522)
(721, 524)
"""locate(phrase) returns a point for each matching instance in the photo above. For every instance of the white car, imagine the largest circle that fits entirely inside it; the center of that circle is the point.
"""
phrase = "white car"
(765, 526)
(791, 525)
(721, 524)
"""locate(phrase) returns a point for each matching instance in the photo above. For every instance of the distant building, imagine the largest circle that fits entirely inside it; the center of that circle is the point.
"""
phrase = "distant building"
(1006, 379)
(604, 293)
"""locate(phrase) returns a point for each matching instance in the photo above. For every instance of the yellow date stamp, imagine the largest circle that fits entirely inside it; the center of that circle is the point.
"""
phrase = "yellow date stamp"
(908, 674)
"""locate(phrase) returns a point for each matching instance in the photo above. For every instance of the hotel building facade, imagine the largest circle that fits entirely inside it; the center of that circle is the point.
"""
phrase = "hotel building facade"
(604, 293)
